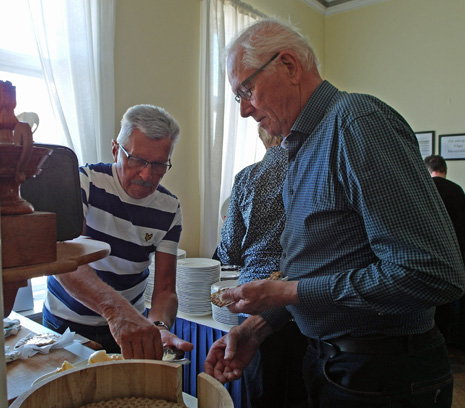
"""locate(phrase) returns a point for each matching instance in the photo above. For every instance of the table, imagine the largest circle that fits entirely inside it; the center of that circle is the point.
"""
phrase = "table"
(22, 373)
(202, 332)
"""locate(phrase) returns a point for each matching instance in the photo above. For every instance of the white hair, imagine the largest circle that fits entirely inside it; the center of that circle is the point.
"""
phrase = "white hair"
(152, 120)
(263, 39)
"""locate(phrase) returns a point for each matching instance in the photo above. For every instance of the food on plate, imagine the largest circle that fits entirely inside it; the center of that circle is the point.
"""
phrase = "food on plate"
(39, 340)
(102, 356)
(65, 366)
(217, 297)
(134, 402)
(274, 275)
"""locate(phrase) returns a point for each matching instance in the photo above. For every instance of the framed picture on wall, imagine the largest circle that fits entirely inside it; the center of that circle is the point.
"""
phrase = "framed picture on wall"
(452, 147)
(426, 142)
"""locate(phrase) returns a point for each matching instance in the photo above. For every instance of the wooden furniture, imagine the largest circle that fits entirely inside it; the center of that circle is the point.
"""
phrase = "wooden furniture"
(70, 255)
(22, 373)
(211, 393)
(28, 247)
(118, 379)
(202, 332)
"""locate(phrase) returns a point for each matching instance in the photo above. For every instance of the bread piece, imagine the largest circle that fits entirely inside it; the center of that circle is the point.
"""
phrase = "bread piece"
(217, 298)
(65, 366)
(275, 275)
(38, 340)
(101, 356)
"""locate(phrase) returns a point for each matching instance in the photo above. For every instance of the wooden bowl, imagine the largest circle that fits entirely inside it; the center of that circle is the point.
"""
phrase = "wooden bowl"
(118, 379)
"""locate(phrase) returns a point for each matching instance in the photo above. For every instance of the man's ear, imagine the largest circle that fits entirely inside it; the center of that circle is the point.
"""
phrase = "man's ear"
(114, 149)
(292, 66)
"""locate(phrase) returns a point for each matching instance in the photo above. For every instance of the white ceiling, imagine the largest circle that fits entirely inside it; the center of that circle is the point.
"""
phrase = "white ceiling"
(329, 7)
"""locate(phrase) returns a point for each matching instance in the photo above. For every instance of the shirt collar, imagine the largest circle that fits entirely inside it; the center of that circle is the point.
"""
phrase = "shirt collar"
(310, 116)
(315, 108)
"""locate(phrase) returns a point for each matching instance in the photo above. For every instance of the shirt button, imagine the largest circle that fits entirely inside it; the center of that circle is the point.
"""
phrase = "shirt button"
(291, 191)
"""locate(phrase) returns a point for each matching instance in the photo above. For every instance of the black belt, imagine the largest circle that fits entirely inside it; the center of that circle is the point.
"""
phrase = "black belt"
(374, 344)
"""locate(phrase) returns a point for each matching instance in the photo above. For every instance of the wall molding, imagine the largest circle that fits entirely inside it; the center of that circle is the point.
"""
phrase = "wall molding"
(351, 5)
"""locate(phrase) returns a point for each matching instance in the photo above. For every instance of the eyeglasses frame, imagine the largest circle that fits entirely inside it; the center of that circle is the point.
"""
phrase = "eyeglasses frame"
(168, 165)
(247, 94)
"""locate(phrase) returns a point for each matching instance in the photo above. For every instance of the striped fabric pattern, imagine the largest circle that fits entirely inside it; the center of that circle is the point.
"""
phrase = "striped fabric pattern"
(134, 228)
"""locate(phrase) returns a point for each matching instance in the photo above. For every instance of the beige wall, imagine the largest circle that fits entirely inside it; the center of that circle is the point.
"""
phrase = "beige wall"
(157, 62)
(411, 54)
(157, 57)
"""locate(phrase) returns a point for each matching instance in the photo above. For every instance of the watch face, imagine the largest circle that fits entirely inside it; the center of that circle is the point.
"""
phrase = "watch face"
(161, 324)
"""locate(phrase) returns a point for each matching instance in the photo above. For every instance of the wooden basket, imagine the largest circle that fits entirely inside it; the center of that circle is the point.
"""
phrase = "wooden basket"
(118, 379)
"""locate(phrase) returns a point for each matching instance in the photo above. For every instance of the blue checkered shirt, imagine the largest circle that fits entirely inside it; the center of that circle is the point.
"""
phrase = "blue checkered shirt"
(366, 235)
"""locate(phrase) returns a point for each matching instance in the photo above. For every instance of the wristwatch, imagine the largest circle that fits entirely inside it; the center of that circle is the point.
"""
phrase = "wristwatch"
(161, 324)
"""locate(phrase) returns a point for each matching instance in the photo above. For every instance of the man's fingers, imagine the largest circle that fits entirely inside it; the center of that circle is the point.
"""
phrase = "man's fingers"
(126, 350)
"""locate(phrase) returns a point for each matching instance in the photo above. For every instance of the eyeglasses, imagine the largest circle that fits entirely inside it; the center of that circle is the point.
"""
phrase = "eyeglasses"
(245, 93)
(140, 164)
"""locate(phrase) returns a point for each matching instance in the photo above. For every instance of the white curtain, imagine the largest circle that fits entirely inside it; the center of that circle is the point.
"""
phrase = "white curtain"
(75, 40)
(226, 142)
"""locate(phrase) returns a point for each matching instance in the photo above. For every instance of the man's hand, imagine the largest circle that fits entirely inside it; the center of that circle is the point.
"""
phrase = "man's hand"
(137, 336)
(171, 340)
(231, 354)
(257, 296)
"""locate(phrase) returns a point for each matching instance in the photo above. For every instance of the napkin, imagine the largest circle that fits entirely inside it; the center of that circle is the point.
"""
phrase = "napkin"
(10, 326)
(10, 355)
(28, 350)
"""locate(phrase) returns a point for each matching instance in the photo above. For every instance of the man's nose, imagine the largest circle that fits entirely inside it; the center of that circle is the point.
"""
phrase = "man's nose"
(246, 108)
(146, 173)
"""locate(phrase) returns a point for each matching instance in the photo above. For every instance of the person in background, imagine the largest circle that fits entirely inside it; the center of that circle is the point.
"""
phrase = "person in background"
(250, 239)
(450, 317)
(125, 206)
(368, 250)
(452, 195)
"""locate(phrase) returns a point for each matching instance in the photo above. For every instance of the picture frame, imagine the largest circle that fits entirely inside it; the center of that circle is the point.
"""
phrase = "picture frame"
(426, 142)
(452, 147)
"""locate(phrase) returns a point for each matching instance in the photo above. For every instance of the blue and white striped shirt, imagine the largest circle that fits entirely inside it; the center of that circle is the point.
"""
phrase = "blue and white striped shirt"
(134, 228)
(366, 233)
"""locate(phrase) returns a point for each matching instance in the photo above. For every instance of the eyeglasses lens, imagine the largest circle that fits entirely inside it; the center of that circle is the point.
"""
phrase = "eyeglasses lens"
(136, 163)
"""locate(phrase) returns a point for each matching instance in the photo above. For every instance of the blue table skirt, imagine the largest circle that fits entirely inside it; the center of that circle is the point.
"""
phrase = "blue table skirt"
(202, 337)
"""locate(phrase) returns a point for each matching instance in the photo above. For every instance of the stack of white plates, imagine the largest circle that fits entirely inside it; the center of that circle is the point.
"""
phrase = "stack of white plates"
(194, 277)
(150, 281)
(222, 314)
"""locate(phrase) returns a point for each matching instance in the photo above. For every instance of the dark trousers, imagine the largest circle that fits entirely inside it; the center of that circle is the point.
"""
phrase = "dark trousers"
(274, 377)
(99, 334)
(420, 377)
(443, 318)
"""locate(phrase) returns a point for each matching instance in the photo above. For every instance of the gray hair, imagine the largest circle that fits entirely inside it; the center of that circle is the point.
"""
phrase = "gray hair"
(267, 37)
(152, 120)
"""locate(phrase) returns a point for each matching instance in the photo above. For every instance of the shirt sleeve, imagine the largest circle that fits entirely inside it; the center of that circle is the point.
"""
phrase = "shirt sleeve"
(84, 179)
(229, 250)
(418, 259)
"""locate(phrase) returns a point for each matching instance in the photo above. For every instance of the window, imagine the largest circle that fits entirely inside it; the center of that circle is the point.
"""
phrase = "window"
(20, 64)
